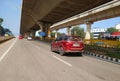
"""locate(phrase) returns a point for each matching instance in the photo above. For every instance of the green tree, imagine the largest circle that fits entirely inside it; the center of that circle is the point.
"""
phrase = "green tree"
(111, 30)
(52, 34)
(91, 35)
(76, 30)
(1, 20)
(7, 31)
(58, 33)
(2, 31)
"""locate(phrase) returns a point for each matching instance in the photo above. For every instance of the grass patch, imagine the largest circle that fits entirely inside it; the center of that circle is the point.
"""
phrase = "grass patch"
(114, 54)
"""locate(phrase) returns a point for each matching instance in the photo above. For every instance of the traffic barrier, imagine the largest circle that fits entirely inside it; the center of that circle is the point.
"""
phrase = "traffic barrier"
(103, 57)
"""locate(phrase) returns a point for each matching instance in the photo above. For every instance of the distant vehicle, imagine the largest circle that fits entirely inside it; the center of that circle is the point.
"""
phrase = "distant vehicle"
(29, 38)
(68, 44)
(20, 37)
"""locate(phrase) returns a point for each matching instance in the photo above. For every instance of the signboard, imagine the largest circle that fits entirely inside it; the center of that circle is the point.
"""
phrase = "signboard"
(42, 33)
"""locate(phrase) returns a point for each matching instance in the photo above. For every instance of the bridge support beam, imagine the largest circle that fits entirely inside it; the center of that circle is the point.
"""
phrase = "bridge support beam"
(68, 30)
(87, 36)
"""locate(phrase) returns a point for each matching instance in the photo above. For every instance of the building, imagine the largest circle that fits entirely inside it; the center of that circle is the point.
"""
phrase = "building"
(97, 31)
(118, 27)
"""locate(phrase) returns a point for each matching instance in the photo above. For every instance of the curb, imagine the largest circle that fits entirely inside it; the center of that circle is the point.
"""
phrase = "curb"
(102, 57)
(1, 41)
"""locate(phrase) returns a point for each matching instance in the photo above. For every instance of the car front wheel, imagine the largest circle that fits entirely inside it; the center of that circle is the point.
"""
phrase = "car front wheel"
(51, 48)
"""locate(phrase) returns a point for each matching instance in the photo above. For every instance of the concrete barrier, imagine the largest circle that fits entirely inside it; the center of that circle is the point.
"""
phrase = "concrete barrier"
(103, 57)
(3, 39)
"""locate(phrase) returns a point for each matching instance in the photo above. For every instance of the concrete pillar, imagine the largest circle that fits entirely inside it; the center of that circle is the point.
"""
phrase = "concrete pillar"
(40, 24)
(68, 30)
(87, 36)
(41, 27)
(47, 29)
(49, 33)
(56, 33)
(32, 33)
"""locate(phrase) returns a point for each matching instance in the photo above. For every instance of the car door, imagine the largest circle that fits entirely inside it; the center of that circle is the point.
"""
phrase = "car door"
(55, 44)
(59, 43)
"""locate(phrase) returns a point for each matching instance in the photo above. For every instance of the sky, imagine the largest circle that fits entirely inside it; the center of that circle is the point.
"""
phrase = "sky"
(10, 11)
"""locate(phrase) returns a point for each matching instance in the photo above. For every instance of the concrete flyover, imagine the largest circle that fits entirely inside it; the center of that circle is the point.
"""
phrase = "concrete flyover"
(105, 11)
(102, 12)
(41, 14)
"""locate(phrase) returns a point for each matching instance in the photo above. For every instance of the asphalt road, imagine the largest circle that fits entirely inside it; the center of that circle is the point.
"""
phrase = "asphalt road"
(22, 60)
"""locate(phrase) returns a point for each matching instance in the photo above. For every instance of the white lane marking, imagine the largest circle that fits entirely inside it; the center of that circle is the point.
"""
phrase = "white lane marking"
(54, 56)
(62, 61)
(1, 58)
(35, 45)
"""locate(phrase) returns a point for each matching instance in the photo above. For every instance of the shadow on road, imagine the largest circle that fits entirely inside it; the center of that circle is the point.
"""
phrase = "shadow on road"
(71, 54)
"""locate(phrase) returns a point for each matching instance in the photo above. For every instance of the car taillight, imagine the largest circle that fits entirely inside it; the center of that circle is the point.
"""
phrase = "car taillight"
(67, 43)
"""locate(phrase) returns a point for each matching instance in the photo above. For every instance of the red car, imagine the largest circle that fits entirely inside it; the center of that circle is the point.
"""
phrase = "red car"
(68, 44)
(20, 37)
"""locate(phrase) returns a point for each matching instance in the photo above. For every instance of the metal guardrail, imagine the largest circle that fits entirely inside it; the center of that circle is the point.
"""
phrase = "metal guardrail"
(104, 43)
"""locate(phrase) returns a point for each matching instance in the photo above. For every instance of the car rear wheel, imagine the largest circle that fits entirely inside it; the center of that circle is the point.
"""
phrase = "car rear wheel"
(61, 51)
(80, 54)
(51, 48)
